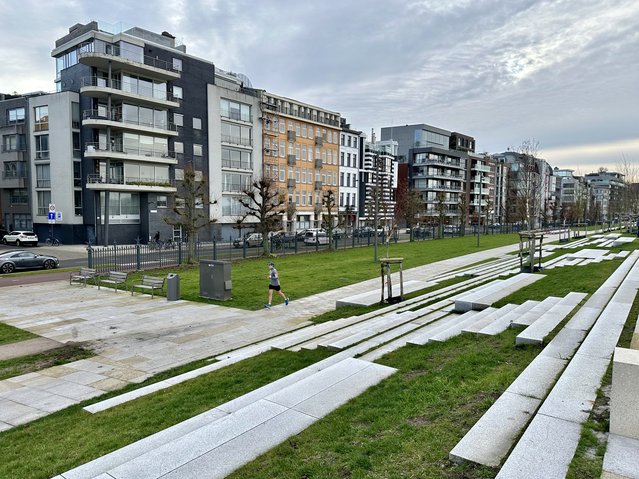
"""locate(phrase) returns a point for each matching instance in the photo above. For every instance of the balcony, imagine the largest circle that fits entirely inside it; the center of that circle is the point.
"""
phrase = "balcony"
(101, 88)
(482, 168)
(116, 151)
(113, 118)
(102, 55)
(318, 186)
(132, 184)
(318, 163)
(14, 179)
(290, 183)
(236, 140)
(319, 141)
(290, 135)
(237, 116)
(290, 160)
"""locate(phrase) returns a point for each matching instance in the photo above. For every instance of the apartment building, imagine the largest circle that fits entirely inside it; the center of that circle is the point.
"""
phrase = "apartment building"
(436, 171)
(301, 155)
(606, 197)
(378, 184)
(350, 160)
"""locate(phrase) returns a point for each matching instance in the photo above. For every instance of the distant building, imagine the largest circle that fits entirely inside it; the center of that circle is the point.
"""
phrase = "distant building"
(378, 184)
(350, 161)
(606, 194)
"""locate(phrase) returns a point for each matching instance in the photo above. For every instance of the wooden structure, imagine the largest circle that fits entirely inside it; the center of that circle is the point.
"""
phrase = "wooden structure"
(530, 242)
(386, 270)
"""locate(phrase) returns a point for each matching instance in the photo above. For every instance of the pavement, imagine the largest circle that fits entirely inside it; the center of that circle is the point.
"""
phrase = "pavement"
(136, 337)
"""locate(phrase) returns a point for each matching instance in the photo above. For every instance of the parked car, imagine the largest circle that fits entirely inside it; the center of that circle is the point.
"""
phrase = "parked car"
(367, 231)
(339, 233)
(283, 238)
(13, 260)
(316, 237)
(252, 239)
(301, 234)
(21, 238)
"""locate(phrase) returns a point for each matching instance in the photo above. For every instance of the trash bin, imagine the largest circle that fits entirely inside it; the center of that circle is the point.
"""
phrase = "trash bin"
(215, 279)
(172, 287)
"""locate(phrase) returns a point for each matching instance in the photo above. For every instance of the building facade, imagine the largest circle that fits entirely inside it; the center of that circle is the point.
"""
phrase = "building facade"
(378, 184)
(350, 161)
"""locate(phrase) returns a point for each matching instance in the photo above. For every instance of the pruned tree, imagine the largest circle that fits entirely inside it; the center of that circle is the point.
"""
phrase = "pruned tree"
(328, 219)
(440, 207)
(462, 206)
(630, 192)
(263, 202)
(191, 208)
(291, 210)
(408, 205)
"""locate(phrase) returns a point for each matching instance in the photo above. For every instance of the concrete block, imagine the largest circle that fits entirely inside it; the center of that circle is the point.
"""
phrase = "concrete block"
(536, 380)
(532, 315)
(544, 451)
(503, 322)
(547, 322)
(564, 344)
(490, 439)
(621, 460)
(624, 398)
(488, 318)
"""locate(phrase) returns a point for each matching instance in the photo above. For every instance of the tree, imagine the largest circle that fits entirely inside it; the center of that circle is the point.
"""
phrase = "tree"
(462, 206)
(408, 205)
(263, 202)
(630, 193)
(529, 182)
(191, 209)
(328, 219)
(440, 207)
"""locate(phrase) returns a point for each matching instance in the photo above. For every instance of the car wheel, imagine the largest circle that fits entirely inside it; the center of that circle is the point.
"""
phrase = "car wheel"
(4, 241)
(49, 264)
(17, 242)
(8, 268)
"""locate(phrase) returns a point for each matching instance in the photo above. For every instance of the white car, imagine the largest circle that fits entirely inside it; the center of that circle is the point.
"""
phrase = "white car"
(315, 237)
(21, 238)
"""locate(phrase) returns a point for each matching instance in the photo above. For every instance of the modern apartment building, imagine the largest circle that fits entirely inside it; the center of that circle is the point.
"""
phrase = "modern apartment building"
(437, 172)
(378, 184)
(301, 155)
(350, 160)
(606, 189)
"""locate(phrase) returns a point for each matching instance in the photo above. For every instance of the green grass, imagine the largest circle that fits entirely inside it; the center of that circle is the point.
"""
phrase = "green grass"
(9, 334)
(311, 273)
(36, 362)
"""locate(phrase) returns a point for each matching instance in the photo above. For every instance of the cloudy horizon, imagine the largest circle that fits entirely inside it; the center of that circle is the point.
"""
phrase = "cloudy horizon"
(562, 72)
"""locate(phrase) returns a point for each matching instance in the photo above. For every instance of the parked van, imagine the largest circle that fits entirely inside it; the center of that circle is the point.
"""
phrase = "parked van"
(315, 237)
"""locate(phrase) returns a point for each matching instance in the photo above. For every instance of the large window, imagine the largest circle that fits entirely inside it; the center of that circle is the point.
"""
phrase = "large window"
(238, 159)
(235, 110)
(77, 202)
(13, 143)
(145, 145)
(15, 115)
(143, 116)
(43, 176)
(123, 208)
(236, 134)
(19, 196)
(231, 206)
(235, 182)
(41, 117)
(144, 86)
(77, 174)
(42, 147)
(44, 199)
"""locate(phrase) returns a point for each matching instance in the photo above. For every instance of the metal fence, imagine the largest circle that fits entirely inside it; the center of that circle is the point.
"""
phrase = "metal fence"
(138, 257)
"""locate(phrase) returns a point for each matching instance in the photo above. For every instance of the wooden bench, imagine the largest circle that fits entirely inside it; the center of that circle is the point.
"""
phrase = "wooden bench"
(82, 276)
(149, 283)
(115, 278)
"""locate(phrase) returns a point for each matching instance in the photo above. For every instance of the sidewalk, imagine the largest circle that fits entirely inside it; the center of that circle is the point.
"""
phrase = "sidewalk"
(137, 337)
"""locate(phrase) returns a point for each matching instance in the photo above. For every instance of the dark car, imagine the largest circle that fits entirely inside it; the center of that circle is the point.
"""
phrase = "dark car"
(14, 260)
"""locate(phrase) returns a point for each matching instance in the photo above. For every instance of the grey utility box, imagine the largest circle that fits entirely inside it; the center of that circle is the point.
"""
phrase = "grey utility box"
(215, 279)
(172, 287)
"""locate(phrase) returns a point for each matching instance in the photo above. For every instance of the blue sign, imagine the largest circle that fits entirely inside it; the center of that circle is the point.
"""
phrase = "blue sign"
(52, 215)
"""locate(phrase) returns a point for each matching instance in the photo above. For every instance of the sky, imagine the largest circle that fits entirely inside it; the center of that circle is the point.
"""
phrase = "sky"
(564, 73)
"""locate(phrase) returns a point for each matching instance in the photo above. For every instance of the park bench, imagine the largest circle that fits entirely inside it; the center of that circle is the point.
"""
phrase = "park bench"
(149, 283)
(82, 276)
(113, 277)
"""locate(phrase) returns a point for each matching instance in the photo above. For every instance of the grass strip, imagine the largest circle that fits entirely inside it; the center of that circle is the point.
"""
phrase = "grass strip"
(11, 334)
(36, 362)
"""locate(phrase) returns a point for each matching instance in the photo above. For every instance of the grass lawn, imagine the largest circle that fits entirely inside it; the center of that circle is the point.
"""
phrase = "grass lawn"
(306, 274)
(25, 364)
(9, 334)
(403, 427)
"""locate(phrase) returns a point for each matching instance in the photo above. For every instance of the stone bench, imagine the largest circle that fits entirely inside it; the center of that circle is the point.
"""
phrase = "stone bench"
(113, 277)
(149, 283)
(82, 276)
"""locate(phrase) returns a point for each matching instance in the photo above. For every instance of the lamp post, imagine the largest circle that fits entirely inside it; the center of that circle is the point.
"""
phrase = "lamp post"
(479, 208)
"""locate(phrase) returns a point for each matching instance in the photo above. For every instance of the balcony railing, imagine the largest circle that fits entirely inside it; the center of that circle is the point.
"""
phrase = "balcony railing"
(114, 50)
(134, 181)
(43, 183)
(236, 140)
(318, 185)
(118, 85)
(115, 115)
(237, 164)
(318, 163)
(290, 183)
(13, 175)
(19, 200)
(117, 147)
(233, 115)
(290, 135)
(290, 160)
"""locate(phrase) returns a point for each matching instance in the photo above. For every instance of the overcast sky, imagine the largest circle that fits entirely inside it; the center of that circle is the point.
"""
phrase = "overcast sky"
(565, 73)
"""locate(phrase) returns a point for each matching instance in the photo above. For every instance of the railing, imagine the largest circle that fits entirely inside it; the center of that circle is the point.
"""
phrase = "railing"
(237, 164)
(19, 200)
(231, 115)
(236, 140)
(114, 50)
(14, 175)
(147, 92)
(115, 115)
(117, 147)
(133, 181)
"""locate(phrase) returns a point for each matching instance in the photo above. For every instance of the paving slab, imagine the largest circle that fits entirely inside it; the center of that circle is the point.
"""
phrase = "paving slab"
(489, 318)
(27, 347)
(536, 380)
(564, 344)
(541, 453)
(621, 460)
(529, 317)
(490, 439)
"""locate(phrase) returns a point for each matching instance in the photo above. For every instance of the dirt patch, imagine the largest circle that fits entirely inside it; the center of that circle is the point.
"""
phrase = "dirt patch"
(419, 421)
(37, 362)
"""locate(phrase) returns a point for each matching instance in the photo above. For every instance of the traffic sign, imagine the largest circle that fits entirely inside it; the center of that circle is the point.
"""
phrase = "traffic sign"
(52, 207)
(51, 215)
(58, 215)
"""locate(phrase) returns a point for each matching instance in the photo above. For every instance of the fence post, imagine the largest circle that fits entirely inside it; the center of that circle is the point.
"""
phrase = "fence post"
(89, 256)
(179, 253)
(115, 255)
(137, 254)
(214, 250)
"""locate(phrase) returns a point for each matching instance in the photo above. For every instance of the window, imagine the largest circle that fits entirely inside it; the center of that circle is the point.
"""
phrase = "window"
(238, 159)
(197, 123)
(77, 174)
(235, 182)
(15, 115)
(235, 110)
(75, 115)
(41, 117)
(124, 208)
(13, 143)
(43, 176)
(282, 127)
(342, 139)
(303, 152)
(177, 92)
(42, 147)
(341, 179)
(44, 199)
(178, 119)
(236, 134)
(178, 146)
(354, 142)
(177, 64)
(77, 202)
(75, 140)
(303, 130)
(197, 150)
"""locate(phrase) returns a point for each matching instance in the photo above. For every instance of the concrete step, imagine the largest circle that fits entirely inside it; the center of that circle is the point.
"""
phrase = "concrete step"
(431, 330)
(484, 297)
(456, 329)
(503, 322)
(533, 314)
(489, 318)
(547, 322)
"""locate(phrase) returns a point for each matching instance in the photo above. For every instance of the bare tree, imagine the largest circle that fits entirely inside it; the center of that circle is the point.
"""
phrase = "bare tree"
(441, 208)
(191, 207)
(462, 206)
(630, 193)
(408, 205)
(529, 182)
(328, 219)
(264, 203)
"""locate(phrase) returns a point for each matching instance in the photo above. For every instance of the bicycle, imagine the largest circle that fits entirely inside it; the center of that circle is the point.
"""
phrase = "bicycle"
(52, 241)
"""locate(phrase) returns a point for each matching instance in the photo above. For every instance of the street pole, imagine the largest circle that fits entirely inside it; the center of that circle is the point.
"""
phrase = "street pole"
(479, 209)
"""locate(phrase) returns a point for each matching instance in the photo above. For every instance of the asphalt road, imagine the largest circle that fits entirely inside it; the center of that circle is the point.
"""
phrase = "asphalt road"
(70, 256)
